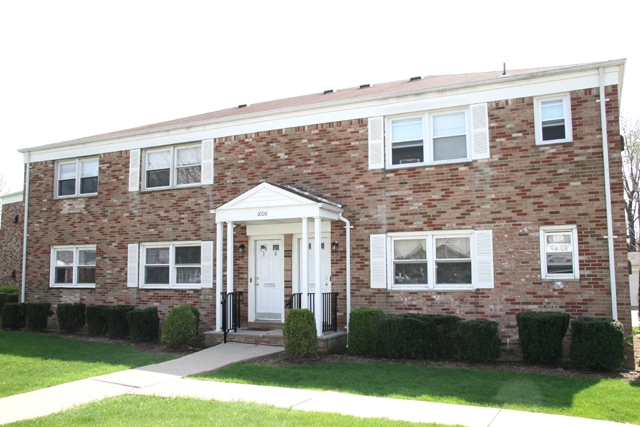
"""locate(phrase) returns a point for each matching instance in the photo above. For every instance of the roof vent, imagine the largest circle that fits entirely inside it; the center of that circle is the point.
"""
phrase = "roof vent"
(365, 86)
(327, 91)
(504, 68)
(242, 105)
(415, 78)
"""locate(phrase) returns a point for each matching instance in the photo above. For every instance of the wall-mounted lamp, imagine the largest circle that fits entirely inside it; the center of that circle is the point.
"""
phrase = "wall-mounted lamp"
(13, 274)
(16, 219)
(241, 249)
(334, 246)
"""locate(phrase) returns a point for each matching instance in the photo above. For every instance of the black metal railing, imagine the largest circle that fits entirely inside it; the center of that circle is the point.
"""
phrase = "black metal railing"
(230, 312)
(329, 308)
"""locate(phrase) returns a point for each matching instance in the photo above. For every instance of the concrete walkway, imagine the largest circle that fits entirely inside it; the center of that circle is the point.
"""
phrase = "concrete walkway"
(165, 379)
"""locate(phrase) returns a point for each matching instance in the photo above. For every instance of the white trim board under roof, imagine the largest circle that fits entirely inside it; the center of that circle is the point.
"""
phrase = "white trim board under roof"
(433, 92)
(16, 197)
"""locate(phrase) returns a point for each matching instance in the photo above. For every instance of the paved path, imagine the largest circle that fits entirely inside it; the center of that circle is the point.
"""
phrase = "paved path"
(165, 379)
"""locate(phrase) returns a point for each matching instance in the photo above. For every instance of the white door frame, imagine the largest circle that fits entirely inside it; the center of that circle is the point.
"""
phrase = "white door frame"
(251, 285)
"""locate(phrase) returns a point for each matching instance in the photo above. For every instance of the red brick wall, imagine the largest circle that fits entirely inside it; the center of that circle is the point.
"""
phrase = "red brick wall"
(520, 188)
(11, 244)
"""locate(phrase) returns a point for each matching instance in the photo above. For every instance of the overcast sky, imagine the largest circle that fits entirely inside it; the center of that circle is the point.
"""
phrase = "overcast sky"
(70, 69)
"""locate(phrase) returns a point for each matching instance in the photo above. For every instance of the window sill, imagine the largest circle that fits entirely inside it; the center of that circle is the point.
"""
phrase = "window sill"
(173, 288)
(150, 190)
(75, 196)
(560, 279)
(466, 288)
(72, 286)
(562, 141)
(426, 165)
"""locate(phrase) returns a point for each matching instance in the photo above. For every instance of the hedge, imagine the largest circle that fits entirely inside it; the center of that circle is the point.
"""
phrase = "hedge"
(478, 341)
(7, 297)
(541, 335)
(363, 331)
(37, 315)
(97, 320)
(597, 343)
(71, 317)
(299, 333)
(118, 326)
(180, 327)
(144, 324)
(14, 315)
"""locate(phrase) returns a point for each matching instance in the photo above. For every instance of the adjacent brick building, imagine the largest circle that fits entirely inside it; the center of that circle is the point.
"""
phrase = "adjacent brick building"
(11, 232)
(479, 195)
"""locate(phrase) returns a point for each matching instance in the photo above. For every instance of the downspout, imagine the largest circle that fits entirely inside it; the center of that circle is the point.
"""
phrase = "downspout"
(347, 226)
(607, 191)
(25, 236)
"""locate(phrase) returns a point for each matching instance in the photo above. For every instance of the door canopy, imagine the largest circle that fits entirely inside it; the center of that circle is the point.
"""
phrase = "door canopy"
(277, 204)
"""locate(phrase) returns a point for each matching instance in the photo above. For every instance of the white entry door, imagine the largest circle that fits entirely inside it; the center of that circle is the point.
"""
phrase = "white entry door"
(325, 265)
(269, 280)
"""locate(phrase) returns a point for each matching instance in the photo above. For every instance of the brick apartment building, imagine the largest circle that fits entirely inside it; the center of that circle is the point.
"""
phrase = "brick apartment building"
(11, 232)
(478, 195)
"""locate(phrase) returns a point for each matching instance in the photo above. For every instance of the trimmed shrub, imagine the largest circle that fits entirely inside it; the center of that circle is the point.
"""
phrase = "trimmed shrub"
(541, 335)
(9, 290)
(97, 320)
(71, 317)
(597, 343)
(118, 326)
(180, 327)
(363, 331)
(478, 341)
(7, 297)
(196, 313)
(299, 333)
(144, 324)
(14, 315)
(37, 315)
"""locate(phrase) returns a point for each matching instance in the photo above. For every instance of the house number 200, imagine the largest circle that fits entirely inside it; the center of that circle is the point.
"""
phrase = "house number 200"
(262, 213)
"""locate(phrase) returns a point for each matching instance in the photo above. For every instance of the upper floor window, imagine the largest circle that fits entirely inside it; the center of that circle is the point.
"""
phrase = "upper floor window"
(173, 167)
(77, 177)
(553, 119)
(429, 139)
(559, 252)
(73, 266)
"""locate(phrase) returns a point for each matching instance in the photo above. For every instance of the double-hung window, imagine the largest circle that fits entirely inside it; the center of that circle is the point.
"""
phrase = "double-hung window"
(168, 265)
(553, 119)
(429, 138)
(559, 252)
(77, 177)
(73, 266)
(173, 167)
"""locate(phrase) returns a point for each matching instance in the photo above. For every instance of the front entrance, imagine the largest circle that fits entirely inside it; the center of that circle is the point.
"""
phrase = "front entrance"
(325, 266)
(269, 279)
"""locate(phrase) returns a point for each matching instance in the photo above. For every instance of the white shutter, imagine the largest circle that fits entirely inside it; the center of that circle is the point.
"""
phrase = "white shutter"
(206, 268)
(378, 265)
(480, 131)
(134, 170)
(207, 161)
(483, 262)
(132, 266)
(376, 143)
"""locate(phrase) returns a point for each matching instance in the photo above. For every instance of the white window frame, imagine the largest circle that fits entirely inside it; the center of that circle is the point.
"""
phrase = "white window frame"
(427, 138)
(551, 229)
(430, 239)
(78, 178)
(172, 265)
(52, 271)
(568, 124)
(172, 167)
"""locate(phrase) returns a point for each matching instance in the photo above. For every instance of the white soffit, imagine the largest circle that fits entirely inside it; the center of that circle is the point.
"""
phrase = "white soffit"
(11, 198)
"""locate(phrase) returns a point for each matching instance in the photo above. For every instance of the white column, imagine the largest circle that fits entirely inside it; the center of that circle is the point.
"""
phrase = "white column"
(304, 265)
(229, 257)
(317, 222)
(218, 284)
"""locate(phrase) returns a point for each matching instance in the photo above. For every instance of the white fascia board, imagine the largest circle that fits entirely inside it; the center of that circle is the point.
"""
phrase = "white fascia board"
(288, 228)
(272, 213)
(435, 98)
(12, 198)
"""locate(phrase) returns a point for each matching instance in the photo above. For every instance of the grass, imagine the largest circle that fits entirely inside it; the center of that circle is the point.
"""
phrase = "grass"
(139, 411)
(636, 329)
(31, 361)
(608, 399)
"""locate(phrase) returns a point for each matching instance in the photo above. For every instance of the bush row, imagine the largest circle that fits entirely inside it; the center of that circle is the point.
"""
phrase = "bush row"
(8, 294)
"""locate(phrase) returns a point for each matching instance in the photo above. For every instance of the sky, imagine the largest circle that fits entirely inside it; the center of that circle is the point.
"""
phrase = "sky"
(71, 69)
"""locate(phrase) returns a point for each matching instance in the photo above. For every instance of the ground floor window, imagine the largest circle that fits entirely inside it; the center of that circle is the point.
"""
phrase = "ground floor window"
(559, 252)
(73, 266)
(172, 265)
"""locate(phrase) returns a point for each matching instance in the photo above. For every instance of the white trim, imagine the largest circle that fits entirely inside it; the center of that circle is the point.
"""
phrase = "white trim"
(52, 266)
(134, 170)
(569, 229)
(78, 178)
(173, 167)
(568, 124)
(12, 198)
(133, 257)
(172, 266)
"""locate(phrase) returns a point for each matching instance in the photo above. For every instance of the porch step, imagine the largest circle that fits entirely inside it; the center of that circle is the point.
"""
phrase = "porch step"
(331, 342)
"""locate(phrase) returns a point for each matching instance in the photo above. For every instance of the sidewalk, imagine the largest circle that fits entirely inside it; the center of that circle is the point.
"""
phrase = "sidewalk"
(165, 379)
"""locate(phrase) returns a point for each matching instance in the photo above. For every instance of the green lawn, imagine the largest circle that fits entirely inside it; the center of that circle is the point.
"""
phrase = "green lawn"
(31, 361)
(609, 399)
(138, 411)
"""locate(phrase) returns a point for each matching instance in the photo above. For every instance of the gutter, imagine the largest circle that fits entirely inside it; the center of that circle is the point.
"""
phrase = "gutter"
(607, 189)
(347, 226)
(25, 235)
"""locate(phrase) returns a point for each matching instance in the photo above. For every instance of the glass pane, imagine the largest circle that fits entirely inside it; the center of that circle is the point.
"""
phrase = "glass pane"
(453, 272)
(553, 109)
(158, 178)
(188, 156)
(407, 155)
(188, 255)
(67, 187)
(414, 273)
(453, 147)
(559, 242)
(89, 168)
(409, 249)
(159, 160)
(188, 175)
(157, 275)
(560, 263)
(87, 257)
(89, 185)
(553, 129)
(449, 124)
(86, 275)
(407, 129)
(64, 275)
(450, 248)
(157, 256)
(66, 171)
(64, 258)
(188, 275)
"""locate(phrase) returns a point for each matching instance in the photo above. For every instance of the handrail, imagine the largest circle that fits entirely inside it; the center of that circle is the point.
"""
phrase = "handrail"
(231, 314)
(329, 308)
